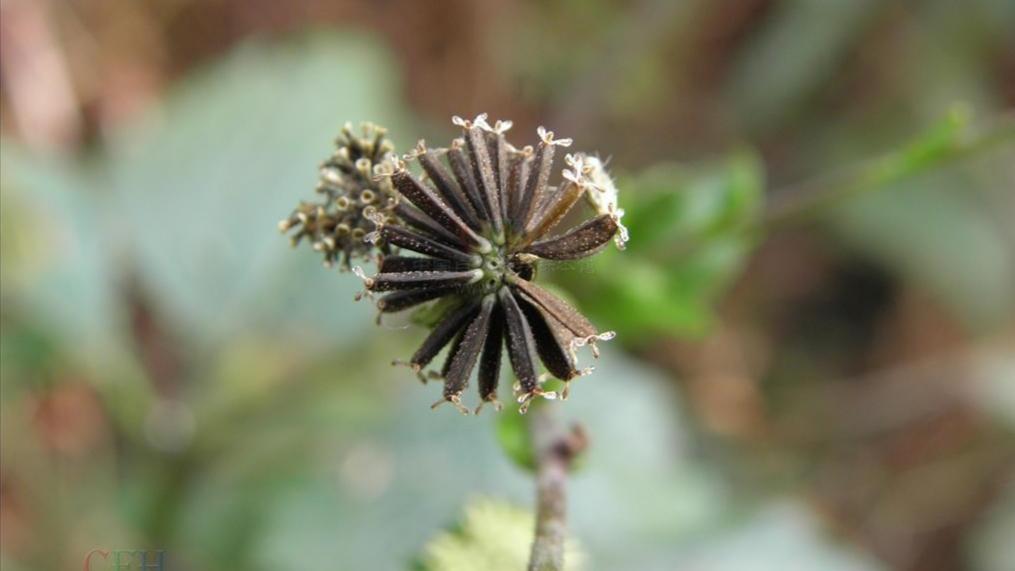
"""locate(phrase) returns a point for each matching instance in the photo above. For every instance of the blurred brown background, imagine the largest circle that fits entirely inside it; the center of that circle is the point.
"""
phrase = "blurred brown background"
(837, 392)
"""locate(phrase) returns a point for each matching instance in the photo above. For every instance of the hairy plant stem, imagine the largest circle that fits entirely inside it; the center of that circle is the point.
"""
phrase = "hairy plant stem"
(555, 447)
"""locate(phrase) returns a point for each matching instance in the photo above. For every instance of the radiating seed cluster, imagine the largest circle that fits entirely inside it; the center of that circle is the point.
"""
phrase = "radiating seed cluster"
(477, 224)
(352, 192)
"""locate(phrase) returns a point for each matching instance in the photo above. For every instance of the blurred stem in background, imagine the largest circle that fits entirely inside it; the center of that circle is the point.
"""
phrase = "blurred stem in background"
(953, 139)
(555, 448)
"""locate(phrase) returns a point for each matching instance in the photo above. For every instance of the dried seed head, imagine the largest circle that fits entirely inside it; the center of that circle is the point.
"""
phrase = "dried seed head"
(338, 225)
(478, 219)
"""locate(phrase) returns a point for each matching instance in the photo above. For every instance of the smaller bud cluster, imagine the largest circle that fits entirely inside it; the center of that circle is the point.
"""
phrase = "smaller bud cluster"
(354, 197)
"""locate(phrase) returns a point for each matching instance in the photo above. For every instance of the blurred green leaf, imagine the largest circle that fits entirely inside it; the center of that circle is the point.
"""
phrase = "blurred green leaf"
(929, 210)
(513, 436)
(408, 470)
(991, 547)
(779, 532)
(688, 241)
(944, 233)
(670, 203)
(27, 354)
(58, 269)
(202, 183)
(493, 536)
(946, 142)
(928, 149)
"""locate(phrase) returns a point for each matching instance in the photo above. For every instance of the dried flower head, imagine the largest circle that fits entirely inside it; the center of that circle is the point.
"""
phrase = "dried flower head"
(481, 220)
(352, 195)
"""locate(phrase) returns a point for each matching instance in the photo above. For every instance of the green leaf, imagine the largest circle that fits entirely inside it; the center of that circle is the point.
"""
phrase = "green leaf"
(513, 437)
(688, 240)
(669, 203)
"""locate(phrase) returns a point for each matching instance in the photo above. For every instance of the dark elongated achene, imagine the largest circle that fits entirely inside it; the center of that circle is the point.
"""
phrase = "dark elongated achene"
(497, 147)
(480, 225)
(535, 185)
(552, 212)
(455, 346)
(395, 264)
(461, 166)
(442, 334)
(518, 173)
(482, 170)
(557, 308)
(406, 299)
(521, 344)
(415, 218)
(464, 359)
(489, 362)
(449, 188)
(429, 202)
(553, 351)
(403, 238)
(422, 280)
(579, 242)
